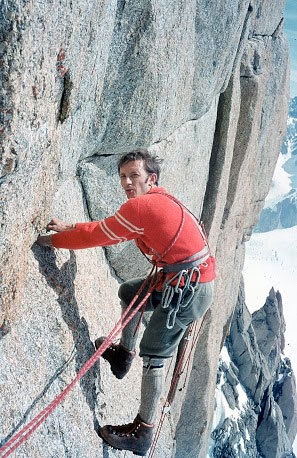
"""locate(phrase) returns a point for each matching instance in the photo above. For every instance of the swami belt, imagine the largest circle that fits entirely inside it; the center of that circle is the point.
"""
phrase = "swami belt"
(192, 261)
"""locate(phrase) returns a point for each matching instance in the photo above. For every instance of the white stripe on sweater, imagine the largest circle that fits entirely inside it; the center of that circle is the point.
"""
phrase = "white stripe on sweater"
(111, 235)
(127, 224)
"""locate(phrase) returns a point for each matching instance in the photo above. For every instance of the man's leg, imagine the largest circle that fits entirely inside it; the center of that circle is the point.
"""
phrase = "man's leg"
(129, 332)
(127, 292)
(137, 436)
(120, 355)
(162, 343)
(152, 385)
(158, 343)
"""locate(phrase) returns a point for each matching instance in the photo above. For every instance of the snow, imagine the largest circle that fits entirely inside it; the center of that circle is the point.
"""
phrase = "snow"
(242, 397)
(225, 355)
(280, 378)
(271, 261)
(222, 409)
(281, 183)
(241, 444)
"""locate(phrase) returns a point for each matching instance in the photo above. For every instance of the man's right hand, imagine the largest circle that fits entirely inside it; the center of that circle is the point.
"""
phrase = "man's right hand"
(58, 225)
(44, 240)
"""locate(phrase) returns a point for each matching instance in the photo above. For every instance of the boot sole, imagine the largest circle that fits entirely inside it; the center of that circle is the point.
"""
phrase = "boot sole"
(122, 449)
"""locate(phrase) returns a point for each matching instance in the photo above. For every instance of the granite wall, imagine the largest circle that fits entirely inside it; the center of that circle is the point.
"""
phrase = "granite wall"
(204, 85)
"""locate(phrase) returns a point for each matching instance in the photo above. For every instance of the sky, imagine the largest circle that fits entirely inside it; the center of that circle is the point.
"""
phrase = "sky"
(291, 31)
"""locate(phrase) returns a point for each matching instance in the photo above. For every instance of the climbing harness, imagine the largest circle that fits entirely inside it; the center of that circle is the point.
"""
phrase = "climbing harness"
(183, 283)
(192, 261)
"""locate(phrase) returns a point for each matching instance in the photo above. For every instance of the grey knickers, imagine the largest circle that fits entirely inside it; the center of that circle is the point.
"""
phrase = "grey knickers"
(158, 341)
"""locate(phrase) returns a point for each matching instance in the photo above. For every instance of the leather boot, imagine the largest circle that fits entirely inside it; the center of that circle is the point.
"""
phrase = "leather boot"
(136, 437)
(119, 358)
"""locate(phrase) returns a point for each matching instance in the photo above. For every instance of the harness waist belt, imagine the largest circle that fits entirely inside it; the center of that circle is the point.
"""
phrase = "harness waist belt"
(193, 261)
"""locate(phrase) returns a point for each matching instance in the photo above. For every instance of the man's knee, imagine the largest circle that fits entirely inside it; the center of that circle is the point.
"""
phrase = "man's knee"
(129, 289)
(122, 292)
(153, 361)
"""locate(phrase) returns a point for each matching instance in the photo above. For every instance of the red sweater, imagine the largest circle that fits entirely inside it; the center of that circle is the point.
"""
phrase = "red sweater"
(153, 220)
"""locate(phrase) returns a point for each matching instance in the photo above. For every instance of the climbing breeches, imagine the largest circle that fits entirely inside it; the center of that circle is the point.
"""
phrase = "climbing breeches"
(159, 342)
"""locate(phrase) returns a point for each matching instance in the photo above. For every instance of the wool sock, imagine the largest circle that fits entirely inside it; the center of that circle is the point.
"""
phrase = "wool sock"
(151, 389)
(128, 339)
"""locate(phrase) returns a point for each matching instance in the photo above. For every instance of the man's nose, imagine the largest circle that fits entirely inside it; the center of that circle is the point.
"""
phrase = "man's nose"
(128, 180)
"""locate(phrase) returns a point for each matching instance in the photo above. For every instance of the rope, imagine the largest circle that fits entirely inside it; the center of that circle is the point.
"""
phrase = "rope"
(17, 439)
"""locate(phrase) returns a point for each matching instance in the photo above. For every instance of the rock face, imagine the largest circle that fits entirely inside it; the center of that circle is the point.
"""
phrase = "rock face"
(257, 385)
(202, 84)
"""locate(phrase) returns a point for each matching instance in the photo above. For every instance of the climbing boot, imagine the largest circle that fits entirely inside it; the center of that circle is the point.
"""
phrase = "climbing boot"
(119, 358)
(136, 437)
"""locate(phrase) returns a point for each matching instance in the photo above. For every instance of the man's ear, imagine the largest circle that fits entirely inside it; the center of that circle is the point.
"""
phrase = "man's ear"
(153, 178)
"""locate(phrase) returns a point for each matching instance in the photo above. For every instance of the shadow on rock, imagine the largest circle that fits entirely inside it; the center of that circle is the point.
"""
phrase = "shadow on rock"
(62, 282)
(52, 379)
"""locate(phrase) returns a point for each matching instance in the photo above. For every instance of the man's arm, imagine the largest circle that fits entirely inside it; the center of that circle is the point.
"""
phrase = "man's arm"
(122, 226)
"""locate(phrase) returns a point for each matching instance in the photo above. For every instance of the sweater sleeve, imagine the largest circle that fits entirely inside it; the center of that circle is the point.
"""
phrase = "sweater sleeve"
(121, 227)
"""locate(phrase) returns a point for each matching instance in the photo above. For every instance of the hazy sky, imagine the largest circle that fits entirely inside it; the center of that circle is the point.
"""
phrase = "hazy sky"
(291, 30)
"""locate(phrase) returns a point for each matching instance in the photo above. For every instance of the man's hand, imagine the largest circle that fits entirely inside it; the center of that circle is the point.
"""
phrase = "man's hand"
(44, 240)
(58, 225)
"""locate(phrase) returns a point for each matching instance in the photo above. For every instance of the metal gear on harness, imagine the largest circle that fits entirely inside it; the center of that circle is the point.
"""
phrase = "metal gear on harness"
(173, 286)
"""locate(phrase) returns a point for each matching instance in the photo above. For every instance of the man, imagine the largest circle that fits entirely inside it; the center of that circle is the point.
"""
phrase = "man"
(170, 235)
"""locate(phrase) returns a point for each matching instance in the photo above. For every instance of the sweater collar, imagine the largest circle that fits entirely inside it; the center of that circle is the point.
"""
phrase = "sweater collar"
(158, 190)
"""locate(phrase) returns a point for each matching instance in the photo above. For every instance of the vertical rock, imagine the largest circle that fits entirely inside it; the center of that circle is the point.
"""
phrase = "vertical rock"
(83, 82)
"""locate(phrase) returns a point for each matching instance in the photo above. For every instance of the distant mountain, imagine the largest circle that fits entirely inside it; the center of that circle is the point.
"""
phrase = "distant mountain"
(283, 213)
(256, 398)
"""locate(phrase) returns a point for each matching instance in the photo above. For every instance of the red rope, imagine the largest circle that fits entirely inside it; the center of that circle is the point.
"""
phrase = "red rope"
(17, 439)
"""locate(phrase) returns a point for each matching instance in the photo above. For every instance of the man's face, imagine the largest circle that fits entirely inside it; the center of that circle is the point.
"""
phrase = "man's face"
(135, 180)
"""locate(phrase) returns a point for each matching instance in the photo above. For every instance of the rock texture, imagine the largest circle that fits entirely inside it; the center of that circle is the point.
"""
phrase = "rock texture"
(256, 400)
(203, 84)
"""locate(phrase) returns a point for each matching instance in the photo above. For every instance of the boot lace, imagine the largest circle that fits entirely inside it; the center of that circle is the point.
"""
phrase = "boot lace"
(126, 430)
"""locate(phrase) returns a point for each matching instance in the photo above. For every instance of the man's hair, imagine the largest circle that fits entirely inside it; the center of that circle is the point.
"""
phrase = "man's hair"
(151, 163)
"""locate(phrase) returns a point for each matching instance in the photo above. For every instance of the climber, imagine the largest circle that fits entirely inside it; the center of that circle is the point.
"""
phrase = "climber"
(171, 238)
